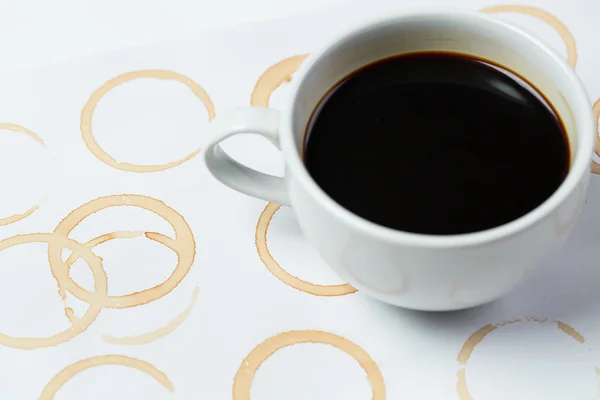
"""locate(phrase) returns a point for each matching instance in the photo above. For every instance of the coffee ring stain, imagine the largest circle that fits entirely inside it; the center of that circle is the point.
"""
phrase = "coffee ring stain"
(469, 346)
(88, 113)
(79, 325)
(245, 374)
(274, 77)
(20, 129)
(70, 371)
(273, 266)
(183, 244)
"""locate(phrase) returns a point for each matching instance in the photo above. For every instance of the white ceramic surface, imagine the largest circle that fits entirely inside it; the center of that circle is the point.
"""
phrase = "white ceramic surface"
(412, 270)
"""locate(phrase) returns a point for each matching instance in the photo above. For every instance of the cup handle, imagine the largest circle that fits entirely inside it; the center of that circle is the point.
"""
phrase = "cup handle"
(258, 120)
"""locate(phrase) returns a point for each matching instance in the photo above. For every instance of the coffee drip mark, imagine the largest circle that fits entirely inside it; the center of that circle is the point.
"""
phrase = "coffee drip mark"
(545, 16)
(596, 109)
(157, 333)
(273, 266)
(88, 112)
(469, 346)
(20, 129)
(245, 374)
(274, 77)
(78, 325)
(69, 372)
(183, 245)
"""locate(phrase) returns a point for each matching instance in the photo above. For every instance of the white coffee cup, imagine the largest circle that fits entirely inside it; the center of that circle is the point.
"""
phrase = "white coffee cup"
(425, 272)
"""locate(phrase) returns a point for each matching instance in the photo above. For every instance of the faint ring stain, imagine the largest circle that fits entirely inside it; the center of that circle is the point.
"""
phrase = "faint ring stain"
(69, 372)
(560, 228)
(545, 16)
(183, 244)
(243, 378)
(595, 165)
(96, 298)
(477, 337)
(20, 129)
(347, 257)
(273, 77)
(454, 298)
(88, 112)
(273, 266)
(157, 333)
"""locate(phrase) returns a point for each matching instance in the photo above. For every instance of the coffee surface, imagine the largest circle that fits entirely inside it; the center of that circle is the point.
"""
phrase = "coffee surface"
(436, 143)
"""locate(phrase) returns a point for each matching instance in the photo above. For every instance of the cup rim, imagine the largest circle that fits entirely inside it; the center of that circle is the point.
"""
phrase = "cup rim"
(580, 106)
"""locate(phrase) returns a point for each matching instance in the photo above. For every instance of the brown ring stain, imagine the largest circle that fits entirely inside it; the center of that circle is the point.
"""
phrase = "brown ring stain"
(245, 374)
(69, 313)
(596, 109)
(157, 333)
(69, 372)
(88, 112)
(100, 286)
(263, 251)
(20, 129)
(274, 77)
(545, 16)
(476, 338)
(183, 244)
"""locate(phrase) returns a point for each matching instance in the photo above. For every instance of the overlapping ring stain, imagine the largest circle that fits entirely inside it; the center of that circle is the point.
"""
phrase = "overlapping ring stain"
(469, 346)
(545, 16)
(69, 372)
(274, 77)
(147, 337)
(20, 129)
(183, 244)
(137, 339)
(243, 379)
(100, 287)
(88, 113)
(273, 266)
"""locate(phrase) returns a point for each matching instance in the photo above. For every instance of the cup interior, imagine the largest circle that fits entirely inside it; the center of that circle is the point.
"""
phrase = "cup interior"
(470, 33)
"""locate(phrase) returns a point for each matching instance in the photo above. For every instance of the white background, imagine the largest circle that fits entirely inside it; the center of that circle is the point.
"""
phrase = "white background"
(39, 31)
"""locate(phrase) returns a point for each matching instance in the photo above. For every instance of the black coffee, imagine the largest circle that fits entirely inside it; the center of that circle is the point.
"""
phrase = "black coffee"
(436, 143)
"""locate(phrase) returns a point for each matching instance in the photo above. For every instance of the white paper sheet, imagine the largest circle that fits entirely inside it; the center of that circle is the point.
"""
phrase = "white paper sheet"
(313, 347)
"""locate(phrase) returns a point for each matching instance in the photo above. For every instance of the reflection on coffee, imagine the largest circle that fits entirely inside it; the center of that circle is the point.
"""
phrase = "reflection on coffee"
(436, 143)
